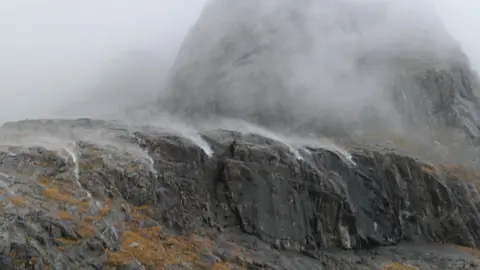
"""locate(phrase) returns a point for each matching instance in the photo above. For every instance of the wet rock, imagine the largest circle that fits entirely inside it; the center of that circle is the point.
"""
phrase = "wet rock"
(147, 200)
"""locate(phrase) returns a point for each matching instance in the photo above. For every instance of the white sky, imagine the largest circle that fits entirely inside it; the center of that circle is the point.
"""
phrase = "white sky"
(51, 48)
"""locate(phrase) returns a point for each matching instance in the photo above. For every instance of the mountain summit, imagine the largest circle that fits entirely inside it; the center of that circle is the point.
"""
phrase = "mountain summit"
(326, 66)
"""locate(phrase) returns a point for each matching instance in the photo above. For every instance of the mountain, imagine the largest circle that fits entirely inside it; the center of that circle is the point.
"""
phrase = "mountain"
(330, 67)
(333, 134)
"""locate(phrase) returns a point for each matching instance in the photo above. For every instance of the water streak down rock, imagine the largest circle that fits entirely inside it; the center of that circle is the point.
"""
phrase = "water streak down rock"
(251, 204)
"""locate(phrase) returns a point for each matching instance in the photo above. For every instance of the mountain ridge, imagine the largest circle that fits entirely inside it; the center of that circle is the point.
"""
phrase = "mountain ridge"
(133, 200)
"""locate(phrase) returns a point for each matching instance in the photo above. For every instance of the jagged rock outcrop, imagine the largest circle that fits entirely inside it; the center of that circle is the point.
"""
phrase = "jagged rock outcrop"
(325, 66)
(93, 194)
(89, 194)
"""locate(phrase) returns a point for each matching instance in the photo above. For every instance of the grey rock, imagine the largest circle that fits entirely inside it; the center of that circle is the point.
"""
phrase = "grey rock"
(253, 203)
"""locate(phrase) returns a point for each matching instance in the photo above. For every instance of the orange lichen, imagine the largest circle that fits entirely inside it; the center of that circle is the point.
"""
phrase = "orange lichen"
(17, 201)
(64, 215)
(56, 194)
(398, 266)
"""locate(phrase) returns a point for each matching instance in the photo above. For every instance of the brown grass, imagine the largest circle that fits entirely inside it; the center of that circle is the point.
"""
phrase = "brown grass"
(103, 212)
(82, 207)
(46, 182)
(469, 250)
(132, 168)
(147, 246)
(221, 266)
(64, 215)
(86, 166)
(66, 242)
(136, 212)
(152, 248)
(428, 169)
(17, 201)
(461, 172)
(56, 194)
(85, 229)
(455, 172)
(398, 266)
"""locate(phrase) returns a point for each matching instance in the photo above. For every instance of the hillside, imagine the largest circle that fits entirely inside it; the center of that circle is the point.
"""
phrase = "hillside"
(333, 134)
(89, 194)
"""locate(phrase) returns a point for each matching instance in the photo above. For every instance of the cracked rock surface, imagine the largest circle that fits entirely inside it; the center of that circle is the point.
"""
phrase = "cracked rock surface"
(91, 194)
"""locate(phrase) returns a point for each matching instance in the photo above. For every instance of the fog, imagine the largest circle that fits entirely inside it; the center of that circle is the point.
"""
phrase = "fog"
(336, 66)
(91, 58)
(55, 55)
(461, 17)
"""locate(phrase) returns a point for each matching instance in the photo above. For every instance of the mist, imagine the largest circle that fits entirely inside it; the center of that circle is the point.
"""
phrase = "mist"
(461, 18)
(315, 65)
(66, 59)
(91, 59)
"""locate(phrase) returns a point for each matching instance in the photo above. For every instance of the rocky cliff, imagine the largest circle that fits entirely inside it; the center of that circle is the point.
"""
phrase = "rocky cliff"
(214, 191)
(89, 194)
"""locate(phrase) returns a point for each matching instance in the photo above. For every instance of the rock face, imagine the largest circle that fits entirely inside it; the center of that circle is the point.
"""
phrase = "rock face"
(93, 194)
(89, 194)
(327, 66)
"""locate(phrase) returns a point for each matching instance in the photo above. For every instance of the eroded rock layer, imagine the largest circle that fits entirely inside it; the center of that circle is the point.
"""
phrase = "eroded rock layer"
(87, 194)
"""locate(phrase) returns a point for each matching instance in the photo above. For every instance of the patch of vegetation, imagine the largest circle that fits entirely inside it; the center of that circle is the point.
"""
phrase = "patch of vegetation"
(138, 243)
(103, 212)
(86, 166)
(150, 248)
(85, 229)
(470, 250)
(221, 266)
(56, 194)
(64, 215)
(398, 266)
(17, 201)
